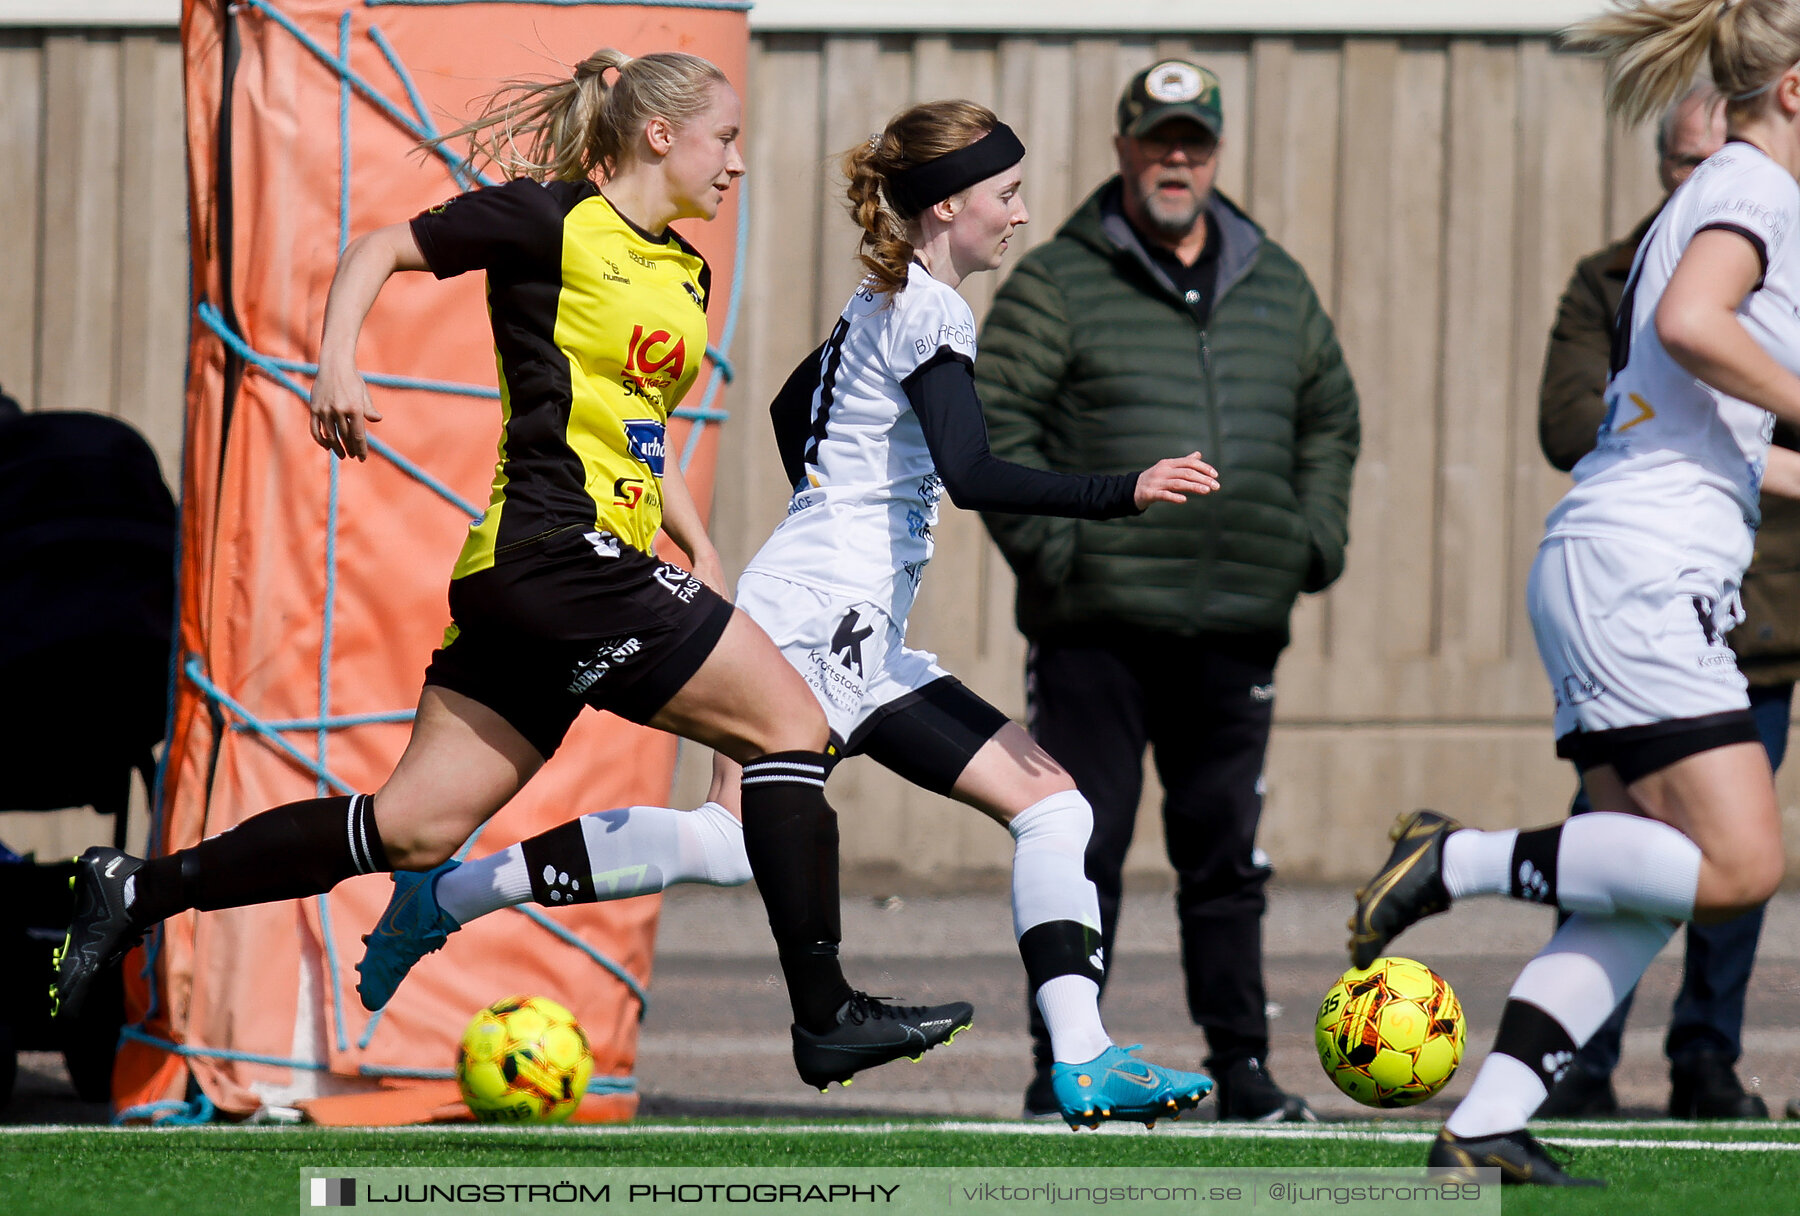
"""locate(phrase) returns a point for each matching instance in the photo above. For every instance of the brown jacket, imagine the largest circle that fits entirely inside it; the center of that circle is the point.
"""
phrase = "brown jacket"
(1570, 410)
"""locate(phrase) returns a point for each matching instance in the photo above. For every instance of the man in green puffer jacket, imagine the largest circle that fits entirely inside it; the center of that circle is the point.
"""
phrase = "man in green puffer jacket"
(1161, 319)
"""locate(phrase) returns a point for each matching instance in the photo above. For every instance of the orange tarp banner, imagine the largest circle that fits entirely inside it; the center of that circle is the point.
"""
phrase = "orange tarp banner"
(312, 594)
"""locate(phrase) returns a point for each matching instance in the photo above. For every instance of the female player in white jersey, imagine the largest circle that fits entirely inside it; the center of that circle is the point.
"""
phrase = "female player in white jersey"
(1637, 581)
(874, 427)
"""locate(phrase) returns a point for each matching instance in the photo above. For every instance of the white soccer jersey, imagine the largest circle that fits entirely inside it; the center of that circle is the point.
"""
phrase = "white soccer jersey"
(860, 520)
(1678, 463)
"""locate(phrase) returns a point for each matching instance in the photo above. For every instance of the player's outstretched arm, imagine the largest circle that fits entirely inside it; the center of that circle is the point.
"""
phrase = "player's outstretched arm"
(1174, 479)
(340, 400)
(942, 393)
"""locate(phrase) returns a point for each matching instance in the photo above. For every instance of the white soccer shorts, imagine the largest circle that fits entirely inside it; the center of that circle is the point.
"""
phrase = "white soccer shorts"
(1630, 637)
(850, 651)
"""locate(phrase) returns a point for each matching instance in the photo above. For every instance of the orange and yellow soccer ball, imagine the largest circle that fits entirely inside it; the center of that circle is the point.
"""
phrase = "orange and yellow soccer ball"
(1390, 1034)
(523, 1060)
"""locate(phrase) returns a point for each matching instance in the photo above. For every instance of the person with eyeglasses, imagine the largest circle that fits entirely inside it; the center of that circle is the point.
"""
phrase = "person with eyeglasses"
(1159, 314)
(1705, 1035)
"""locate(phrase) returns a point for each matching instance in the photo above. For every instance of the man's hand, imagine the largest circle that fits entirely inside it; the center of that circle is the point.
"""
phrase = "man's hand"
(1173, 480)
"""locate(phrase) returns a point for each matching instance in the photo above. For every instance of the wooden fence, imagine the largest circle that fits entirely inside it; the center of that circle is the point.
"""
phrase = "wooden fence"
(1437, 189)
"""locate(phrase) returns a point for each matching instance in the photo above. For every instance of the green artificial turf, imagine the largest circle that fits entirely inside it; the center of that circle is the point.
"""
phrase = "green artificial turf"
(1683, 1170)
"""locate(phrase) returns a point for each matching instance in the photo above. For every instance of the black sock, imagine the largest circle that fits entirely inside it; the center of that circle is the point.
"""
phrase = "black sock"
(1534, 864)
(296, 850)
(1536, 1039)
(558, 864)
(1057, 948)
(791, 836)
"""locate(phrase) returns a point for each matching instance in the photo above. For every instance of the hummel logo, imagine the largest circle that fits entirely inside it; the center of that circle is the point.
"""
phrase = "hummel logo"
(1098, 958)
(113, 866)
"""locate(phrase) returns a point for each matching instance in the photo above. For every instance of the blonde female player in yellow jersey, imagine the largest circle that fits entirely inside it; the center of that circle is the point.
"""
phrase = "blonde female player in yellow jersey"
(598, 315)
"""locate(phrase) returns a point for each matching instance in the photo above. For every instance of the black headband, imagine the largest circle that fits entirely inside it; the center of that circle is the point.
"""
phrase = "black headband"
(914, 189)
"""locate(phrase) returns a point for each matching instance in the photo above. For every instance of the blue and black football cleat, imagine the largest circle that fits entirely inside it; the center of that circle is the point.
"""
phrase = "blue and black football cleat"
(411, 927)
(1117, 1085)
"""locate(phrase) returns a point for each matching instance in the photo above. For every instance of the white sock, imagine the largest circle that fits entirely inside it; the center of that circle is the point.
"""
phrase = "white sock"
(1575, 983)
(1588, 966)
(1610, 862)
(1606, 862)
(712, 847)
(1049, 873)
(635, 850)
(1505, 1094)
(1050, 884)
(478, 887)
(1478, 863)
(1071, 1008)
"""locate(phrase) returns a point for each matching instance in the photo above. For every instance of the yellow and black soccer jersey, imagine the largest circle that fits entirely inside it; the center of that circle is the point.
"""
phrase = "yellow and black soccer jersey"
(599, 330)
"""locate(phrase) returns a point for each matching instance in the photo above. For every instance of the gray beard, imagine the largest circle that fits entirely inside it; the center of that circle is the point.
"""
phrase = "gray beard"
(1166, 224)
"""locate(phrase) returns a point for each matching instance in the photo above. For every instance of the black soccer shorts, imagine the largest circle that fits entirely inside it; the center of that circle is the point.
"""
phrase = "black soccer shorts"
(574, 618)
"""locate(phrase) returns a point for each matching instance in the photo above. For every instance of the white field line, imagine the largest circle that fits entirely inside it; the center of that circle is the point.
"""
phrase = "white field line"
(672, 1043)
(1212, 1131)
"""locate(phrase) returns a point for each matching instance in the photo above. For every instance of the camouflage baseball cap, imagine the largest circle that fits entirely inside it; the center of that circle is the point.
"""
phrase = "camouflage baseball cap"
(1173, 88)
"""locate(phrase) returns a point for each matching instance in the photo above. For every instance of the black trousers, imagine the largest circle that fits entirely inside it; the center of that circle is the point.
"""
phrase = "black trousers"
(1203, 706)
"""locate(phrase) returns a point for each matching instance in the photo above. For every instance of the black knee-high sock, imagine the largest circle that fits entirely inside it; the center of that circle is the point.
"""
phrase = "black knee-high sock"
(300, 849)
(561, 870)
(791, 836)
(1534, 864)
(1536, 1038)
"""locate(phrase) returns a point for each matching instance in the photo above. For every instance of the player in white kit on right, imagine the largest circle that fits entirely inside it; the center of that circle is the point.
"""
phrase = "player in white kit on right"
(1635, 585)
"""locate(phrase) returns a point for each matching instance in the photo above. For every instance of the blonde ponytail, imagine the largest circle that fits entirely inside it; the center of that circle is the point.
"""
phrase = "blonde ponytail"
(586, 125)
(1656, 47)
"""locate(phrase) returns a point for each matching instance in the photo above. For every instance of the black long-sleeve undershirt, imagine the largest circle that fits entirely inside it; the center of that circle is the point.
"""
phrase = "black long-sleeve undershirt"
(942, 392)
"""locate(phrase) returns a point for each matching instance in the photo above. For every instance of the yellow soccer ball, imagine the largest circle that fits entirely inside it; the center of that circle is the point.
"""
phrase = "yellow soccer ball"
(523, 1060)
(1390, 1034)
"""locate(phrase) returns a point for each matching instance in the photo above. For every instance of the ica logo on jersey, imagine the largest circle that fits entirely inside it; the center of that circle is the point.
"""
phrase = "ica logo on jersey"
(645, 441)
(654, 360)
